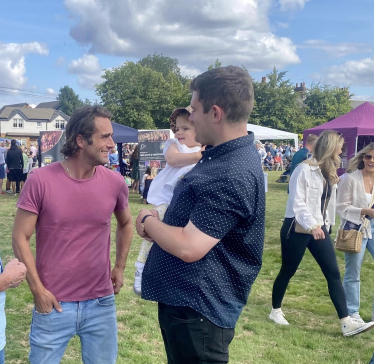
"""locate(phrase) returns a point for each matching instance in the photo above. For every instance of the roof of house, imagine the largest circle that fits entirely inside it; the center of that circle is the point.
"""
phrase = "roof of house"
(357, 103)
(24, 104)
(30, 114)
(49, 105)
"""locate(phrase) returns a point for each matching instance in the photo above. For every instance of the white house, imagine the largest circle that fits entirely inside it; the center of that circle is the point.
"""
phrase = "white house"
(24, 123)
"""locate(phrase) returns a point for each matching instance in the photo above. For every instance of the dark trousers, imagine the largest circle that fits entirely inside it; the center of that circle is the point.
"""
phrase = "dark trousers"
(293, 250)
(191, 338)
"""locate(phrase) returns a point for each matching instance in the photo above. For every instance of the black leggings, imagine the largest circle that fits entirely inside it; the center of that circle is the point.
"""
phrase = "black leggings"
(293, 250)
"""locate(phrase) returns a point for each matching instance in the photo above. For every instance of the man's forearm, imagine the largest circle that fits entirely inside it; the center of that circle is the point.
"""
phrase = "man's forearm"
(23, 253)
(123, 242)
(5, 281)
(169, 238)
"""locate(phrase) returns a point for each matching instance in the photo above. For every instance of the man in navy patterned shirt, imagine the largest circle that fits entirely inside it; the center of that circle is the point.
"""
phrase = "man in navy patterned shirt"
(208, 249)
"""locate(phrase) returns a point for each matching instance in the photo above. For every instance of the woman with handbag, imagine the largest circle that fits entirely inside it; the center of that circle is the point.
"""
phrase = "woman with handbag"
(310, 212)
(354, 202)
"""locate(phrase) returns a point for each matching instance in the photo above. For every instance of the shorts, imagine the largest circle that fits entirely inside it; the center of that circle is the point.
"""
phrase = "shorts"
(24, 177)
(15, 175)
(2, 171)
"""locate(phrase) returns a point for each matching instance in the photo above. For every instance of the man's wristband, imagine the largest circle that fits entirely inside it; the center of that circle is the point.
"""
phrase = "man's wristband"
(143, 221)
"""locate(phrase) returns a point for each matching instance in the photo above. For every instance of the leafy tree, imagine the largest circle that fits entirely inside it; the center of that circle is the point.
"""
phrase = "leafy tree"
(277, 105)
(69, 100)
(325, 103)
(141, 97)
(216, 64)
(161, 64)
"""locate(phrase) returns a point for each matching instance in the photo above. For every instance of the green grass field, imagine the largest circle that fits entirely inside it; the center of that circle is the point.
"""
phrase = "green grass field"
(314, 334)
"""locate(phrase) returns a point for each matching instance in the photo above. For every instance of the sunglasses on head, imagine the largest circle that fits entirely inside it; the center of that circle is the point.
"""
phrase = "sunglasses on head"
(368, 157)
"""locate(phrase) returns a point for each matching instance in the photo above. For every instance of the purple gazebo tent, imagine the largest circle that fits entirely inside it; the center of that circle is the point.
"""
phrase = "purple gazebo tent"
(358, 122)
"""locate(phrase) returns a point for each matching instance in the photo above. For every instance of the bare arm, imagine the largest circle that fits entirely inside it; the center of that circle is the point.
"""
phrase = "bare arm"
(188, 244)
(24, 225)
(124, 236)
(176, 159)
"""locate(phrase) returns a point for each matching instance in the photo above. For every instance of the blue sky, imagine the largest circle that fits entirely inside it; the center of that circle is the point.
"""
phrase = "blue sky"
(47, 44)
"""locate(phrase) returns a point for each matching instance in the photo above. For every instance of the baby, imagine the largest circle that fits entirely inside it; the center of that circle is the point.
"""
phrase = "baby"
(181, 154)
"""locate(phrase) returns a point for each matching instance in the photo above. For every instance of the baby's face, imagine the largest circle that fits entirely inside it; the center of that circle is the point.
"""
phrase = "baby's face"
(185, 132)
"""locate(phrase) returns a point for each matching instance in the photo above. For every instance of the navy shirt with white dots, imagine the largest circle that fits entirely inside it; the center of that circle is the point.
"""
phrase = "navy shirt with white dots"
(224, 197)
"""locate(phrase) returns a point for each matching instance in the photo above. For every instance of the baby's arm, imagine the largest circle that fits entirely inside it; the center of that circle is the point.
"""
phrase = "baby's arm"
(176, 159)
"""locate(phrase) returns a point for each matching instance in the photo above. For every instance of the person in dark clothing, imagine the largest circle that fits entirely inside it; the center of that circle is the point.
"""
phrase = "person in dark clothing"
(14, 162)
(304, 153)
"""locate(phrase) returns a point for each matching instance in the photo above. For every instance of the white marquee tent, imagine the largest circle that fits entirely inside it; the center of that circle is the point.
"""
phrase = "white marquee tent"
(263, 133)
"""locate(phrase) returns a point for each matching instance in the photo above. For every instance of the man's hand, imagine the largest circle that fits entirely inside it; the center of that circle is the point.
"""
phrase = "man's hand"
(139, 226)
(45, 301)
(16, 272)
(318, 233)
(117, 279)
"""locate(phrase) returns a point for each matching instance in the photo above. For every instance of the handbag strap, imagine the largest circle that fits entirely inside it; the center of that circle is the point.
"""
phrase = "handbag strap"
(324, 207)
(370, 205)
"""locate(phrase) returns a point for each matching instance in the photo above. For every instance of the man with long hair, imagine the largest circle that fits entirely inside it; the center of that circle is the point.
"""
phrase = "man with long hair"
(70, 206)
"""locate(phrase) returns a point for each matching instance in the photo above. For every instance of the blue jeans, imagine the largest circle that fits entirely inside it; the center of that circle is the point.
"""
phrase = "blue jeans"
(94, 321)
(2, 357)
(351, 282)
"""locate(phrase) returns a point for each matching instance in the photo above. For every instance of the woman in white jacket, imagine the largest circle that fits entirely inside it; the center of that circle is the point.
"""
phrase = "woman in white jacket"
(310, 211)
(354, 196)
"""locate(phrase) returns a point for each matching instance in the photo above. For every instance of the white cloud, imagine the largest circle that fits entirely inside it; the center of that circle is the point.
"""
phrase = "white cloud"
(189, 71)
(12, 62)
(292, 4)
(197, 32)
(50, 91)
(88, 70)
(360, 72)
(60, 61)
(282, 25)
(340, 49)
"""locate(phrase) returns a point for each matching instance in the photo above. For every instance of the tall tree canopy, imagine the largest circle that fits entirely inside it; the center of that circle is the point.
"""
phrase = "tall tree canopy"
(142, 95)
(69, 100)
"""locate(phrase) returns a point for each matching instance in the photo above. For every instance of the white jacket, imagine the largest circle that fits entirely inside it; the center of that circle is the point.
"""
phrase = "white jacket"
(352, 199)
(305, 193)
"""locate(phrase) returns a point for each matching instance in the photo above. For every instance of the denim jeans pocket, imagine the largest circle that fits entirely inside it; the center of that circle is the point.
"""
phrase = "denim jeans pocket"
(107, 301)
(44, 313)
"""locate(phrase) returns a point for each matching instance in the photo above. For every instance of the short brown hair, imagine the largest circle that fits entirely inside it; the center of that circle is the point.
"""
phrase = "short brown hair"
(230, 88)
(82, 122)
(311, 139)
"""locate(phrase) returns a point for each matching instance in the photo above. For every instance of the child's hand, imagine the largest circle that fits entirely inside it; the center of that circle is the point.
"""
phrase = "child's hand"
(155, 214)
(200, 151)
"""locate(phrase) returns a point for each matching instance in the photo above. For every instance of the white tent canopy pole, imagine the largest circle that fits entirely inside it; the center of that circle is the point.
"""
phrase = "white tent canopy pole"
(264, 133)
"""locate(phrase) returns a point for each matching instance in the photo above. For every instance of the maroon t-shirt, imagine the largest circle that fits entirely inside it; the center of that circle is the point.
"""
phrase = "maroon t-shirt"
(73, 229)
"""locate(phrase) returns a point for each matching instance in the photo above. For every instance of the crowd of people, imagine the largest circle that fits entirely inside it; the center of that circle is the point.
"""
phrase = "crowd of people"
(203, 240)
(275, 158)
(15, 165)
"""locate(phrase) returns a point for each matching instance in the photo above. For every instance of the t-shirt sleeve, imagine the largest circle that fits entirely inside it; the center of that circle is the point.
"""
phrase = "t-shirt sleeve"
(31, 195)
(123, 195)
(221, 205)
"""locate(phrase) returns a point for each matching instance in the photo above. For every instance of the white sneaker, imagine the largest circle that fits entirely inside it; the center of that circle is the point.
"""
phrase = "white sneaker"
(277, 316)
(351, 327)
(356, 317)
